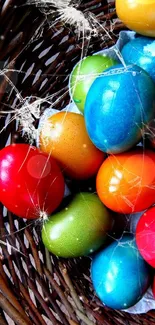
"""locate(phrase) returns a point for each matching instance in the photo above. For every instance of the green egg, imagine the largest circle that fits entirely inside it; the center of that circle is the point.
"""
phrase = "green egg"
(79, 229)
(83, 75)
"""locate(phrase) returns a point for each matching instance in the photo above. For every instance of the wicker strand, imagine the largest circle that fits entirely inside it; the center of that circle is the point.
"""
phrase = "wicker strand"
(71, 288)
(48, 261)
(11, 298)
(34, 252)
(43, 303)
(30, 303)
(13, 312)
(60, 294)
(2, 321)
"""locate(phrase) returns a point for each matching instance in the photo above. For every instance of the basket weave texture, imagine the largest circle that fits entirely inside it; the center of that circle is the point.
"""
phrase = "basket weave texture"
(37, 53)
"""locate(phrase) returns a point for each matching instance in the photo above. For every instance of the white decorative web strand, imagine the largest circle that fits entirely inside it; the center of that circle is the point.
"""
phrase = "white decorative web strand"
(67, 13)
(27, 110)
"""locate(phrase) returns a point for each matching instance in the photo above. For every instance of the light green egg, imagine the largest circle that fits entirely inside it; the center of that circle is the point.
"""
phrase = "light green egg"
(79, 229)
(83, 75)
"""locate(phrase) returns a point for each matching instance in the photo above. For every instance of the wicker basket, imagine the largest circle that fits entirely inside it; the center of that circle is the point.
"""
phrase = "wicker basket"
(37, 54)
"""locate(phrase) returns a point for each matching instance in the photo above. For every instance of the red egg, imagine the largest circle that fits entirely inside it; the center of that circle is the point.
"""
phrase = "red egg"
(31, 182)
(145, 236)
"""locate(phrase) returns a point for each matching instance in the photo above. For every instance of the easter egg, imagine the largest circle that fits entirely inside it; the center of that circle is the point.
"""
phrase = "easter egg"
(118, 106)
(126, 182)
(145, 236)
(84, 74)
(119, 274)
(137, 15)
(64, 136)
(141, 51)
(79, 229)
(31, 183)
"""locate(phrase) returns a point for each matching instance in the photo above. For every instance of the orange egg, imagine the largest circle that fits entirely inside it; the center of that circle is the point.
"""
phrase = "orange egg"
(126, 182)
(64, 136)
(138, 15)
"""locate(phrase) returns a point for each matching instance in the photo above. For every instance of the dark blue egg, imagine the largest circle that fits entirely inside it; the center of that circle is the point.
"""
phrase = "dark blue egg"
(141, 51)
(120, 275)
(118, 106)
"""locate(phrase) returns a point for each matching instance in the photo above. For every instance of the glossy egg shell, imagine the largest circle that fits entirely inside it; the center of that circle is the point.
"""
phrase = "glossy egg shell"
(137, 15)
(64, 136)
(119, 274)
(126, 182)
(145, 236)
(84, 74)
(141, 51)
(31, 182)
(79, 229)
(118, 105)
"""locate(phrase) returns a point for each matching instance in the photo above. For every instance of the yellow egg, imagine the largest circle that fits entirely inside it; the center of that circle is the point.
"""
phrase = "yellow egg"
(138, 15)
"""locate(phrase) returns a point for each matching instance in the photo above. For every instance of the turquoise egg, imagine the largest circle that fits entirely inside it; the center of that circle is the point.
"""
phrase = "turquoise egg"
(120, 275)
(141, 51)
(119, 104)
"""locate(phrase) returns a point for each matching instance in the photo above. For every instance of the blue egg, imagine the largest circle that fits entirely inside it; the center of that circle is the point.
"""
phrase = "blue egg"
(118, 106)
(141, 51)
(120, 275)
